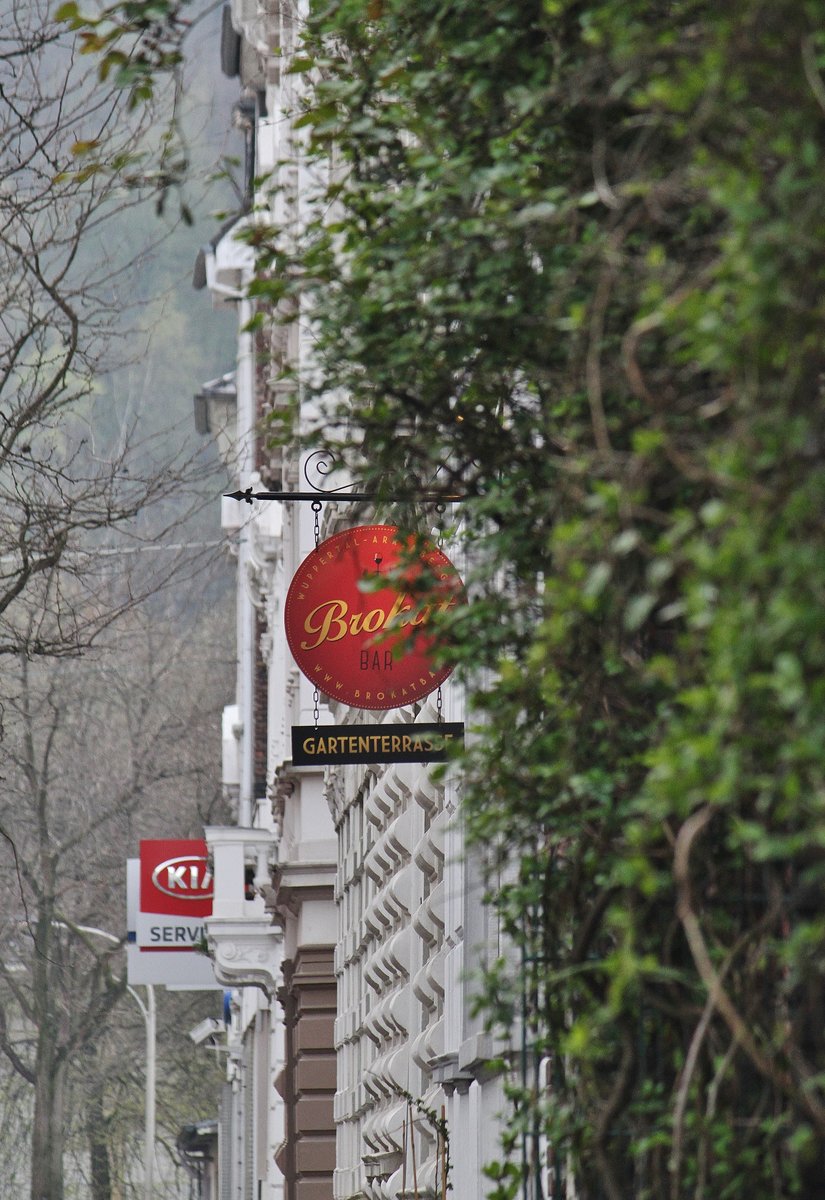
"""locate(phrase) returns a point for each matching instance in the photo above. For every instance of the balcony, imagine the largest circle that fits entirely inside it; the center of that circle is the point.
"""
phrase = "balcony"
(244, 944)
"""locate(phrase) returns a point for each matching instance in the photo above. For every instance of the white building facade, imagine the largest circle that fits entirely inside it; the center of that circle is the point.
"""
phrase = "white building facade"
(348, 920)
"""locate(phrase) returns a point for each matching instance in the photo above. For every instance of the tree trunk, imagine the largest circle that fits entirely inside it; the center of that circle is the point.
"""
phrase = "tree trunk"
(100, 1170)
(48, 1128)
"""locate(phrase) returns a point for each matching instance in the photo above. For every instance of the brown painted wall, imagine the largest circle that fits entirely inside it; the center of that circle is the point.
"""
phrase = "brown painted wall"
(307, 1158)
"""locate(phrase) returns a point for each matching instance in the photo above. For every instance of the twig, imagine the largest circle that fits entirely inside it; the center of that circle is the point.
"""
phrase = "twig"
(685, 1077)
(10, 840)
(404, 1154)
(412, 1146)
(618, 1095)
(691, 829)
(593, 373)
(710, 1110)
(812, 71)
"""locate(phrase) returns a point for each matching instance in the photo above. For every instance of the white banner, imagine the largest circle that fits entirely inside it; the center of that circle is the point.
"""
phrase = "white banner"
(169, 959)
(157, 931)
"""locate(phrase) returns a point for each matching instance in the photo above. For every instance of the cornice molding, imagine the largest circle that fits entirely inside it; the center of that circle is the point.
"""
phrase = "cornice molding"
(246, 953)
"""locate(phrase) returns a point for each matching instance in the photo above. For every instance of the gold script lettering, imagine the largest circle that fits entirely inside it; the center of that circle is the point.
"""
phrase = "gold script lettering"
(330, 625)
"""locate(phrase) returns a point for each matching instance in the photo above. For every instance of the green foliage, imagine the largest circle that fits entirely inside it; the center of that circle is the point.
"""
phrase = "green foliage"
(136, 45)
(572, 262)
(135, 41)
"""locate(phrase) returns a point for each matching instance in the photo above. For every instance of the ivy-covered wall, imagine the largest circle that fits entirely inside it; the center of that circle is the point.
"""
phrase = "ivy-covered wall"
(572, 259)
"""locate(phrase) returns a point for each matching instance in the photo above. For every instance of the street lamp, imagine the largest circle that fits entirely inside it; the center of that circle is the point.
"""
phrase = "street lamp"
(149, 1016)
(148, 1012)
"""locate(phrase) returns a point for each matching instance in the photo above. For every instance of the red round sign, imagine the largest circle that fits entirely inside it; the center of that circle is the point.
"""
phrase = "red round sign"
(358, 642)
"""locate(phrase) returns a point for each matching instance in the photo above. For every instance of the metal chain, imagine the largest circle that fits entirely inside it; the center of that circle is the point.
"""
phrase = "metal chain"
(316, 508)
(439, 697)
(440, 509)
(316, 695)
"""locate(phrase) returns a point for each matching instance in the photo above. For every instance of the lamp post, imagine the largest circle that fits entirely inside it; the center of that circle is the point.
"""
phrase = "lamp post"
(148, 1012)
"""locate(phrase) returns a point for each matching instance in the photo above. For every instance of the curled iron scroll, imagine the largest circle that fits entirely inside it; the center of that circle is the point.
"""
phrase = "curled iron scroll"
(323, 463)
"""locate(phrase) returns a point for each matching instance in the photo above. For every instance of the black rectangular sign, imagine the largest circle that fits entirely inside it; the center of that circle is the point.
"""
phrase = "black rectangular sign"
(329, 745)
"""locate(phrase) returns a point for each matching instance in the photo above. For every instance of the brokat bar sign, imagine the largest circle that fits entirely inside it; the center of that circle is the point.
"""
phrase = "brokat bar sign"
(360, 643)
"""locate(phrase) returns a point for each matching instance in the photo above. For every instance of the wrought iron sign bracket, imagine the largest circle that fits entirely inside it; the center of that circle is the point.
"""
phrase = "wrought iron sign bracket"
(324, 463)
(432, 497)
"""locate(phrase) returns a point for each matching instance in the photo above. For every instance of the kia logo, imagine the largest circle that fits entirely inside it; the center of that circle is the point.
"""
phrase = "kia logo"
(185, 878)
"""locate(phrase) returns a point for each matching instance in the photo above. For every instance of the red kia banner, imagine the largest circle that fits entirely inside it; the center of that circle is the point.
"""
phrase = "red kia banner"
(357, 641)
(175, 878)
